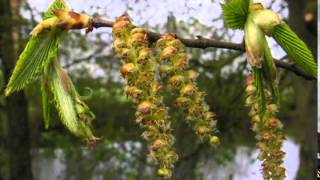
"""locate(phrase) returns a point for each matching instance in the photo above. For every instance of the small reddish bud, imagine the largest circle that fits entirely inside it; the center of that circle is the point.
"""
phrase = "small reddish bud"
(250, 79)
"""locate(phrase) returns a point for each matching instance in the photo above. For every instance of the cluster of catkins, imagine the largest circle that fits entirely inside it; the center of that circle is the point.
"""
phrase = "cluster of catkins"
(175, 70)
(144, 69)
(268, 131)
(139, 71)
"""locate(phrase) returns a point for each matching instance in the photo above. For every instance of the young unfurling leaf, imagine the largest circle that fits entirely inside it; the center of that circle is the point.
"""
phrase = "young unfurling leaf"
(58, 4)
(235, 13)
(297, 50)
(46, 104)
(74, 113)
(258, 80)
(37, 53)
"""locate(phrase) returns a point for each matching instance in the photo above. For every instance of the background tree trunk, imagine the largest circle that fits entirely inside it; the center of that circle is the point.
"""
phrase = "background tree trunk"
(305, 115)
(16, 108)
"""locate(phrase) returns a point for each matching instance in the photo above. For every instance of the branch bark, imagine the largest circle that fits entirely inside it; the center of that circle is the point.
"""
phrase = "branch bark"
(204, 43)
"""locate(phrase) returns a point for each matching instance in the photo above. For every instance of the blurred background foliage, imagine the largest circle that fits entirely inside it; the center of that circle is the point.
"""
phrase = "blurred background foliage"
(121, 153)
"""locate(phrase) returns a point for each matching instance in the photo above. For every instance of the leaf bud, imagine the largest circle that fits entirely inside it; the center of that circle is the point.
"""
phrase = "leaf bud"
(266, 20)
(254, 38)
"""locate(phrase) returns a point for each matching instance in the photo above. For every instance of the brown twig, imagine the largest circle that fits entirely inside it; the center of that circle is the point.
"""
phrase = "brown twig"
(204, 43)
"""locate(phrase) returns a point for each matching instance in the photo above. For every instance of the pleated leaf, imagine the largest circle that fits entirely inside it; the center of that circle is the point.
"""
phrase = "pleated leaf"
(270, 72)
(296, 49)
(258, 80)
(67, 102)
(235, 13)
(58, 4)
(39, 51)
(46, 101)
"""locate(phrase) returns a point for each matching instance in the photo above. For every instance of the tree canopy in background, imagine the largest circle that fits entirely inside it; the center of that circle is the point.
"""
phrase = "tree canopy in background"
(121, 154)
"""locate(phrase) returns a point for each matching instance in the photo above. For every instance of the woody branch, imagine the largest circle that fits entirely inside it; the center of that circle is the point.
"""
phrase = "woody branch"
(203, 43)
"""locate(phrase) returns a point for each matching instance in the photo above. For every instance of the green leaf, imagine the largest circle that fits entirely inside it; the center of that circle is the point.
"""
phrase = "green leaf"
(67, 102)
(270, 72)
(296, 49)
(46, 104)
(235, 13)
(258, 80)
(57, 4)
(38, 52)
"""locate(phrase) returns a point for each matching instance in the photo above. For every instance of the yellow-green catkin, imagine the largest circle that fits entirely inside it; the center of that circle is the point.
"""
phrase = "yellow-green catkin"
(268, 131)
(139, 71)
(175, 70)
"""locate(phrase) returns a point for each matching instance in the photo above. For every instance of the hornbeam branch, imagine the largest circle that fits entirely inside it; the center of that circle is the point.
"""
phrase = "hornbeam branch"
(204, 43)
